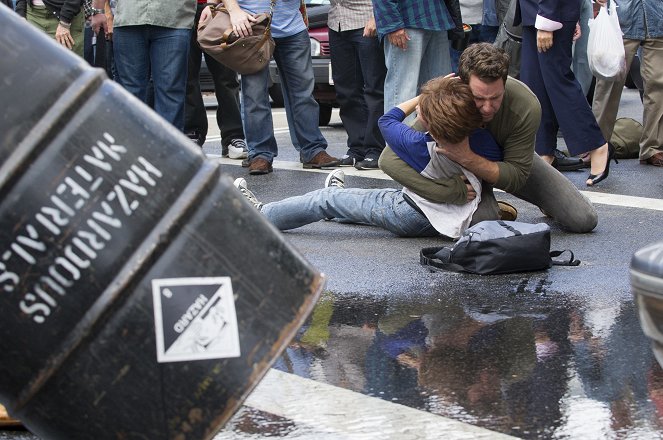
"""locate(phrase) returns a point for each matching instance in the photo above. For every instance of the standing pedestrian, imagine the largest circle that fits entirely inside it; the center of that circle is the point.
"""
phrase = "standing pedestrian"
(358, 70)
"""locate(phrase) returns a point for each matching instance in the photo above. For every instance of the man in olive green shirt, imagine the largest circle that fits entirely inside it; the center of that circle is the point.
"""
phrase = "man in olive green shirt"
(151, 39)
(512, 114)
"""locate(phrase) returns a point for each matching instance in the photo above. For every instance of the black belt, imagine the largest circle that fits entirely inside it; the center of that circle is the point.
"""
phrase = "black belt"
(414, 206)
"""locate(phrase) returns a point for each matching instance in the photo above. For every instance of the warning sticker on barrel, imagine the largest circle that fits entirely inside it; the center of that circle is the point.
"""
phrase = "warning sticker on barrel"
(195, 319)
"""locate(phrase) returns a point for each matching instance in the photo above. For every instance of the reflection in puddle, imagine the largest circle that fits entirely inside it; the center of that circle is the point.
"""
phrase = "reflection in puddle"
(526, 365)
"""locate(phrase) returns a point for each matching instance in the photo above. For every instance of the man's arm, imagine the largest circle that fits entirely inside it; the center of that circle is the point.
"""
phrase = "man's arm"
(98, 20)
(453, 191)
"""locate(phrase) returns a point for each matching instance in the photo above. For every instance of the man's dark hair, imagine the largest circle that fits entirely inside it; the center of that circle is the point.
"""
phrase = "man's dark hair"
(484, 61)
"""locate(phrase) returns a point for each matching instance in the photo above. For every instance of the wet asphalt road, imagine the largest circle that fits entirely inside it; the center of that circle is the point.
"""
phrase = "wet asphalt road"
(555, 354)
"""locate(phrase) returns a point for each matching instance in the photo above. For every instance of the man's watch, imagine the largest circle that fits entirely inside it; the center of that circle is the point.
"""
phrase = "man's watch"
(97, 11)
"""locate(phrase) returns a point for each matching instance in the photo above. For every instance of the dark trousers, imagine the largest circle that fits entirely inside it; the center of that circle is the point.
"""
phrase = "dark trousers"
(563, 104)
(226, 89)
(358, 70)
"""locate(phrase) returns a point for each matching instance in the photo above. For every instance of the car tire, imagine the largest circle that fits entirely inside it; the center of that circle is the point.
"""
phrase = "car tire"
(276, 93)
(325, 114)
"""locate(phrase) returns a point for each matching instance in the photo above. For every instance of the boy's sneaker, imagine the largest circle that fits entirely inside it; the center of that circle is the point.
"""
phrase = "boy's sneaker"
(240, 184)
(347, 161)
(236, 149)
(367, 164)
(335, 178)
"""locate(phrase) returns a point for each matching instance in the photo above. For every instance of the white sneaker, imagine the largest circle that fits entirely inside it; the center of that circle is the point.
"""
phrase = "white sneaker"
(335, 178)
(240, 184)
(237, 149)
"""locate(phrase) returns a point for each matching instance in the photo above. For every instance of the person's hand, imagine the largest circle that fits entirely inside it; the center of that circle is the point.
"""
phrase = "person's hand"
(471, 193)
(601, 2)
(109, 27)
(459, 153)
(98, 22)
(544, 40)
(370, 30)
(577, 33)
(399, 38)
(207, 12)
(63, 36)
(241, 22)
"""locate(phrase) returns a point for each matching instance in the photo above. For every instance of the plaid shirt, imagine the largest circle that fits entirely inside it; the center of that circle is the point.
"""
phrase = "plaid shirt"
(392, 15)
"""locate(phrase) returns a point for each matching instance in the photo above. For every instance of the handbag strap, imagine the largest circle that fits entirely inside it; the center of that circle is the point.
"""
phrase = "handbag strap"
(437, 258)
(571, 261)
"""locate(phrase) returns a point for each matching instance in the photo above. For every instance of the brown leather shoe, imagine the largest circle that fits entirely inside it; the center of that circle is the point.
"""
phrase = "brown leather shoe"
(656, 160)
(260, 166)
(322, 160)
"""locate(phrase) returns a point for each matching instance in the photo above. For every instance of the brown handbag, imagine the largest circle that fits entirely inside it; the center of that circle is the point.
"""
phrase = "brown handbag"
(244, 55)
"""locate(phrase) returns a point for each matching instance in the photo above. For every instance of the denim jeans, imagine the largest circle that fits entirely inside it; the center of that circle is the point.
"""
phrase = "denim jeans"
(293, 59)
(385, 208)
(359, 71)
(426, 57)
(162, 51)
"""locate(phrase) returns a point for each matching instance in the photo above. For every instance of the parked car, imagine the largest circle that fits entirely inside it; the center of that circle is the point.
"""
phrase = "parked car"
(323, 92)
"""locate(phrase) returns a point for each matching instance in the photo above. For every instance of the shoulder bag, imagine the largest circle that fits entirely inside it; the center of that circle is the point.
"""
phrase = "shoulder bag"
(244, 55)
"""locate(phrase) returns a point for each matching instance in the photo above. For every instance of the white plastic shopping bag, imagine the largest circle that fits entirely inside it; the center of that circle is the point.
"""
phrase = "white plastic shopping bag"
(605, 48)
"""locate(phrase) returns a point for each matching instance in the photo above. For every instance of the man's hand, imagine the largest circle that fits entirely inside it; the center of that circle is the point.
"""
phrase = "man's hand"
(577, 33)
(399, 38)
(370, 30)
(98, 22)
(544, 40)
(459, 153)
(63, 36)
(471, 193)
(241, 21)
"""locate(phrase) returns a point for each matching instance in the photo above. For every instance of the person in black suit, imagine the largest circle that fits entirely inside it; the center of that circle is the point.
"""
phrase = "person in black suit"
(549, 29)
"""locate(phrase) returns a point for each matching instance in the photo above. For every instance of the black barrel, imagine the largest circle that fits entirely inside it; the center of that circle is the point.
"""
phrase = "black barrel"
(647, 286)
(141, 296)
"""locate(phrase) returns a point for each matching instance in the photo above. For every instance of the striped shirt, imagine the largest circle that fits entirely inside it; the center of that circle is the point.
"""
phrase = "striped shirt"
(347, 15)
(286, 21)
(392, 15)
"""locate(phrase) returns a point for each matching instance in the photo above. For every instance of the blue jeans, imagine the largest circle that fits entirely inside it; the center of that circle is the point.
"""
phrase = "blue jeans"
(358, 69)
(385, 208)
(426, 57)
(162, 51)
(293, 58)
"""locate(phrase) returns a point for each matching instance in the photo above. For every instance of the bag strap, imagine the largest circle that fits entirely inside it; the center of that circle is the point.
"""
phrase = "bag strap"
(509, 227)
(437, 258)
(570, 262)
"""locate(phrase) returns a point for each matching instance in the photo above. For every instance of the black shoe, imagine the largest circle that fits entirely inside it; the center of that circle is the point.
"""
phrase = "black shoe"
(347, 161)
(564, 163)
(367, 164)
(594, 179)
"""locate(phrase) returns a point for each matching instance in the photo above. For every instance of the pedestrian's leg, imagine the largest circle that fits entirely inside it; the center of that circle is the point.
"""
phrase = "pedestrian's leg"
(558, 198)
(257, 116)
(293, 58)
(607, 95)
(435, 59)
(651, 67)
(374, 71)
(195, 115)
(403, 67)
(226, 89)
(132, 59)
(169, 56)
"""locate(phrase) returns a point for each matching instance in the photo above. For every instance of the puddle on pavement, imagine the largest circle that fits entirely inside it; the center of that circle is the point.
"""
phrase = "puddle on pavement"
(525, 364)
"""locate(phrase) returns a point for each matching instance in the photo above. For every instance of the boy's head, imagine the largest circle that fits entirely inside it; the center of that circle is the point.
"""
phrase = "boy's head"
(447, 108)
(485, 61)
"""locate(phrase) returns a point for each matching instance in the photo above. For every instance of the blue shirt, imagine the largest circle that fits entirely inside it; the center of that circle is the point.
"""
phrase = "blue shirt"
(286, 21)
(641, 19)
(392, 15)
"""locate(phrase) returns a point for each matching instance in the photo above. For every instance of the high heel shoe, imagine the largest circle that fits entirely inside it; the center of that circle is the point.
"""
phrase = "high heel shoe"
(596, 178)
